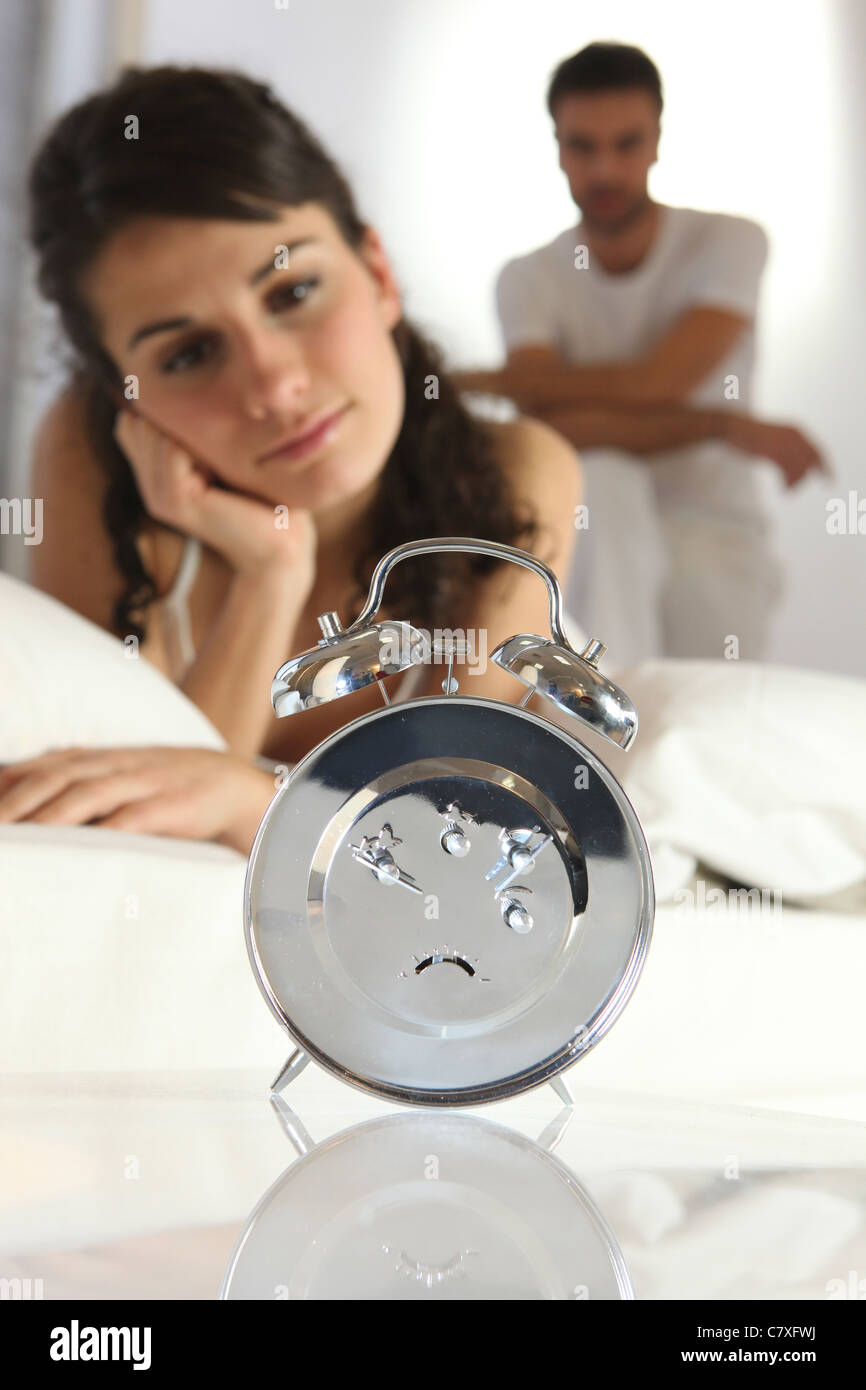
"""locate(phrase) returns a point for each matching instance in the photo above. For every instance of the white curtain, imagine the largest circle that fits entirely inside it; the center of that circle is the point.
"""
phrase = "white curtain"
(20, 23)
(52, 53)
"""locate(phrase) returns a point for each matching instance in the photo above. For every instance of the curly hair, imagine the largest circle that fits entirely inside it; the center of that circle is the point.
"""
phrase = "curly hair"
(217, 144)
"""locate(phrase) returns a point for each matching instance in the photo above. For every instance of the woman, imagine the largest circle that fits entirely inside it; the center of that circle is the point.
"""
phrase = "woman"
(283, 426)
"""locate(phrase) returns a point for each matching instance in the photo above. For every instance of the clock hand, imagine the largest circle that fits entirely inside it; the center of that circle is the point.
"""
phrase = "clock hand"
(512, 839)
(525, 863)
(383, 866)
(516, 856)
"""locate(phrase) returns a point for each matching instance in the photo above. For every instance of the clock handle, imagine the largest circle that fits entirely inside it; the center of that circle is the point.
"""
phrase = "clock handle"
(475, 547)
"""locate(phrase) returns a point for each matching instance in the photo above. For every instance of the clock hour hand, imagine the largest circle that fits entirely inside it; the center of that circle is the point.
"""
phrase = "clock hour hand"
(378, 858)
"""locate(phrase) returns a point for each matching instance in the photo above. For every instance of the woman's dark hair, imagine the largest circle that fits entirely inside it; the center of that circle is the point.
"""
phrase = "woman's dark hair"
(604, 67)
(216, 144)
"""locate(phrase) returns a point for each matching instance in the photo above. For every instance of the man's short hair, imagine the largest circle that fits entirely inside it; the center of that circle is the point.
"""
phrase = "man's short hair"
(604, 67)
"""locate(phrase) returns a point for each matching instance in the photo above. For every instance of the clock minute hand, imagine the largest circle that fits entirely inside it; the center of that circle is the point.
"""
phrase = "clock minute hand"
(524, 866)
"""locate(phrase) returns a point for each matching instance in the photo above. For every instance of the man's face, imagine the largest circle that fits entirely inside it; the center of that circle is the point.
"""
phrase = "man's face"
(608, 142)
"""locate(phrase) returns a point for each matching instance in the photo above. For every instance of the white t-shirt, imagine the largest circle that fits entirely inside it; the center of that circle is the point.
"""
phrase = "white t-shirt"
(590, 315)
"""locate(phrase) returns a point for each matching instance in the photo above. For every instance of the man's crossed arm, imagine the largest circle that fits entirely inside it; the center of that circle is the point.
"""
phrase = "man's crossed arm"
(536, 377)
(640, 405)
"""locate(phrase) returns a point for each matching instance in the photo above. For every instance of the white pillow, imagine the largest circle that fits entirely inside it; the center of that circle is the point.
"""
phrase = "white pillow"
(64, 682)
(755, 771)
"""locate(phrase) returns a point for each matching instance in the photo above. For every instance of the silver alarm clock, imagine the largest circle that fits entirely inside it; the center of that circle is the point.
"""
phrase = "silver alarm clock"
(450, 899)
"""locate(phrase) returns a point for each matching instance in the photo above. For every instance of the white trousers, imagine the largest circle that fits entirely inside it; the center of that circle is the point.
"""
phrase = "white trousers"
(676, 560)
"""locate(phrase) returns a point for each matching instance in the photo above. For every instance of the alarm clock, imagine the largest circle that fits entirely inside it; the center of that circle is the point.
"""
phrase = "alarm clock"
(450, 899)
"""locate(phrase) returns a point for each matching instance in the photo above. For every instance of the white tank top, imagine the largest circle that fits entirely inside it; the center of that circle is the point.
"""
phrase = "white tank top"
(175, 608)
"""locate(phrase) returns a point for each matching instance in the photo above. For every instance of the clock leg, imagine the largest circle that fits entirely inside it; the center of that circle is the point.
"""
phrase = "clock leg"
(293, 1067)
(557, 1084)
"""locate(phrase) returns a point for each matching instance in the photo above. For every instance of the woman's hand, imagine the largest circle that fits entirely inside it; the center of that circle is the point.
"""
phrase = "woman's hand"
(191, 793)
(184, 492)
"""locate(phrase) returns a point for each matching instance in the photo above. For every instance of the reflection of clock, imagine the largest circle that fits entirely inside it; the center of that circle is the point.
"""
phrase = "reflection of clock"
(425, 1207)
(450, 899)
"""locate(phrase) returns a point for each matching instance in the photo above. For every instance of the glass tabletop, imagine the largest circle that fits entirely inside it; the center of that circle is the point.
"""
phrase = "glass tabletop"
(197, 1185)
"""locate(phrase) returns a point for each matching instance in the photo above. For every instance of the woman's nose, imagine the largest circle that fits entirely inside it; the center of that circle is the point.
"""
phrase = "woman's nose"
(277, 380)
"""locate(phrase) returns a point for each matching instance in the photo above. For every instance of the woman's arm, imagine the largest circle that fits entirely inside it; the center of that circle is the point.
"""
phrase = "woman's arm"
(544, 472)
(254, 627)
(230, 679)
(185, 793)
(273, 570)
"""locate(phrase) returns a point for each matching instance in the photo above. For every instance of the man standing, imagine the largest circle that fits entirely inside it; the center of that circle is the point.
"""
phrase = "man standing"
(633, 334)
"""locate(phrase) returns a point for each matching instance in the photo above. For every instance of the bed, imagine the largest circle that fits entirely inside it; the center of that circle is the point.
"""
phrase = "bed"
(125, 953)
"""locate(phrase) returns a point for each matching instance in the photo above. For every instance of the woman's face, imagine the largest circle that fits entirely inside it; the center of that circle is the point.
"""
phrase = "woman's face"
(237, 346)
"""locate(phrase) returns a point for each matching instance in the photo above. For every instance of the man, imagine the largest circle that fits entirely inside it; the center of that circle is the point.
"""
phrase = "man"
(633, 334)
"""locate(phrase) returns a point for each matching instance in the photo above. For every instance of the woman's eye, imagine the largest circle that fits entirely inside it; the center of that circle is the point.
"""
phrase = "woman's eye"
(288, 294)
(192, 355)
(197, 353)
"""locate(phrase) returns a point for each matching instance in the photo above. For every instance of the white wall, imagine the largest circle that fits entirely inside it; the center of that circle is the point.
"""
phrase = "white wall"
(436, 110)
(75, 51)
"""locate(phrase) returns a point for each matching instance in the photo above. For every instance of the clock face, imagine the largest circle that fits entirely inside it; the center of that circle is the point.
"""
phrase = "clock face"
(448, 901)
(474, 890)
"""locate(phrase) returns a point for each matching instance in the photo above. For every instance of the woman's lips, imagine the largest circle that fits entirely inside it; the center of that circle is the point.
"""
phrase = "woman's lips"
(316, 439)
